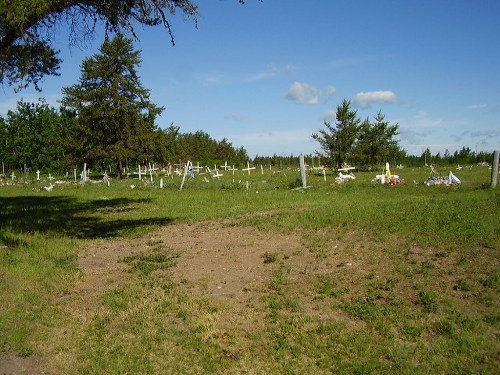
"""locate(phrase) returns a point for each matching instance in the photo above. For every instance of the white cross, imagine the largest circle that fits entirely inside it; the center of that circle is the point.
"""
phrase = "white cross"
(233, 169)
(197, 168)
(38, 175)
(217, 175)
(248, 168)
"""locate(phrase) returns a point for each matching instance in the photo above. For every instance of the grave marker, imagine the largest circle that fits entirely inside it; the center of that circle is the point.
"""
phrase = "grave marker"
(303, 171)
(494, 170)
(198, 168)
(84, 173)
(188, 165)
(248, 168)
(233, 169)
(217, 175)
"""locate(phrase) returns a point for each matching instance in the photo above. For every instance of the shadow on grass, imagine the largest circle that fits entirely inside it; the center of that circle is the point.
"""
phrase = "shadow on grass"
(67, 216)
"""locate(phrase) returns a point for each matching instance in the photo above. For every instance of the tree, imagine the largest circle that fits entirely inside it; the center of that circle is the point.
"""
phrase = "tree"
(27, 29)
(31, 137)
(200, 147)
(164, 144)
(338, 140)
(376, 144)
(115, 119)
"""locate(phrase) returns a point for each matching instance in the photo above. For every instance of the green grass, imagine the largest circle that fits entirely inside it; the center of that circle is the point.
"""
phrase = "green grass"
(411, 287)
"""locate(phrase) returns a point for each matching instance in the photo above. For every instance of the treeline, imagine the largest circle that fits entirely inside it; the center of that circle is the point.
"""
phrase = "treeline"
(36, 136)
(464, 156)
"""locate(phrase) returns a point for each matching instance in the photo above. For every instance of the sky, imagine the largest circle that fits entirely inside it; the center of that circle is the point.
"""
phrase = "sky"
(268, 74)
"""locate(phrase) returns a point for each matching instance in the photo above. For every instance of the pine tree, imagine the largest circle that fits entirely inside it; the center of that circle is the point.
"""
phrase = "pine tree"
(115, 119)
(376, 144)
(339, 139)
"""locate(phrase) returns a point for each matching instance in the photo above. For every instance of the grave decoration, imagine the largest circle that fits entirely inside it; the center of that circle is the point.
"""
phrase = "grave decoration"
(348, 174)
(450, 180)
(387, 177)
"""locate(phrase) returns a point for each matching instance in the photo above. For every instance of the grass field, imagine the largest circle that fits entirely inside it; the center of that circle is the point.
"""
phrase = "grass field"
(348, 279)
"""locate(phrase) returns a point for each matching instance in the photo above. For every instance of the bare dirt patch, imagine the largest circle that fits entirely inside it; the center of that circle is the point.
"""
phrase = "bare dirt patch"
(214, 258)
(12, 364)
(230, 265)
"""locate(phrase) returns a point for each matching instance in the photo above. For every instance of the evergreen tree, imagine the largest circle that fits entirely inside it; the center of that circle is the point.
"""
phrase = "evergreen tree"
(115, 119)
(338, 140)
(376, 144)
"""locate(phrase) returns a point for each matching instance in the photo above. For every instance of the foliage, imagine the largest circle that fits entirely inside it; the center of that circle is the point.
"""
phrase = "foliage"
(27, 29)
(353, 141)
(115, 119)
(376, 144)
(37, 136)
(31, 137)
(338, 140)
(464, 156)
(201, 147)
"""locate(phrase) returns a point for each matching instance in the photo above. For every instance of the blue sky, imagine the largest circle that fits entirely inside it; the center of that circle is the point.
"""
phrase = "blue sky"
(266, 75)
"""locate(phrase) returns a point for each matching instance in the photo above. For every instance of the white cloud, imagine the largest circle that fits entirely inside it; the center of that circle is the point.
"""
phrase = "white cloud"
(330, 90)
(282, 69)
(271, 72)
(476, 106)
(303, 93)
(365, 99)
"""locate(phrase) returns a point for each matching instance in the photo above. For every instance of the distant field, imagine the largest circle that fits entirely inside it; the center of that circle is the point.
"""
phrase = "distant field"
(248, 274)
